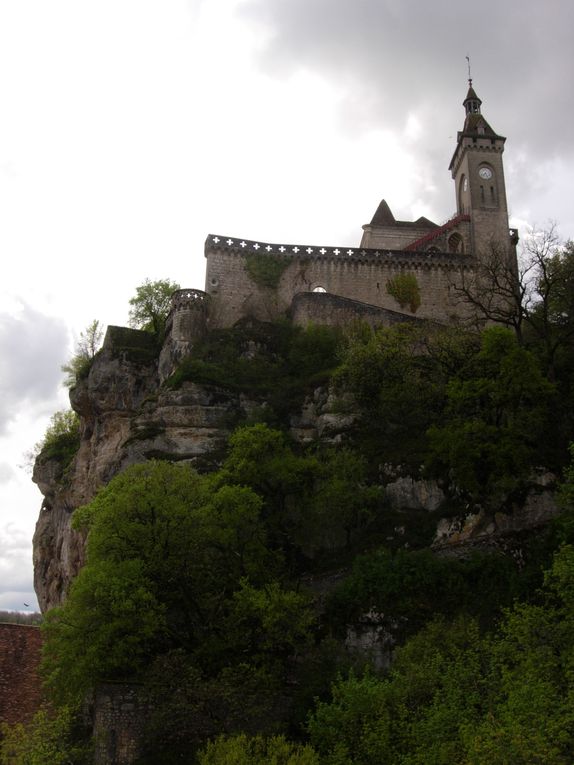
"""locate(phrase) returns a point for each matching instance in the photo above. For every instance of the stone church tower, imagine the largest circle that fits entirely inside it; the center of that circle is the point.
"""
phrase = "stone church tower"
(480, 223)
(476, 167)
(401, 270)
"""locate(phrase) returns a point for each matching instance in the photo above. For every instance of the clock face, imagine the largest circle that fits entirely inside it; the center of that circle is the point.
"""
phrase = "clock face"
(486, 173)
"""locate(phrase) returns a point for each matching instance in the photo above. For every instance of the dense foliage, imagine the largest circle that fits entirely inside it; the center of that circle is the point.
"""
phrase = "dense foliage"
(455, 696)
(278, 362)
(229, 596)
(51, 738)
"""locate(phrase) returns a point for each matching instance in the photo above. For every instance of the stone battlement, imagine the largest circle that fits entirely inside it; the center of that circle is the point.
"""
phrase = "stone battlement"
(405, 258)
(189, 299)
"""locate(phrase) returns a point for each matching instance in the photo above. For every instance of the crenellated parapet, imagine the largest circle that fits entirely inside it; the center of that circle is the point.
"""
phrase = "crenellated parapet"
(186, 324)
(189, 300)
(405, 258)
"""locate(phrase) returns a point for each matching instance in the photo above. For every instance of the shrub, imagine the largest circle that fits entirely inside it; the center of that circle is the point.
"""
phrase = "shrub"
(405, 290)
(61, 440)
(265, 270)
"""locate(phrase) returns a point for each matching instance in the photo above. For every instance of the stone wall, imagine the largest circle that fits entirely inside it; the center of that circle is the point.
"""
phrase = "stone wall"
(357, 274)
(20, 687)
(119, 721)
(335, 311)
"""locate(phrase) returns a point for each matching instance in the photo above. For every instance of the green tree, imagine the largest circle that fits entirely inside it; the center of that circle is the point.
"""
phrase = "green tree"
(342, 502)
(110, 624)
(455, 696)
(151, 305)
(262, 459)
(398, 386)
(51, 738)
(86, 348)
(257, 750)
(173, 561)
(269, 624)
(494, 424)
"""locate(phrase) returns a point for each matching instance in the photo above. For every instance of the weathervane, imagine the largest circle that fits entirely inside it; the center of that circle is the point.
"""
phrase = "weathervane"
(469, 77)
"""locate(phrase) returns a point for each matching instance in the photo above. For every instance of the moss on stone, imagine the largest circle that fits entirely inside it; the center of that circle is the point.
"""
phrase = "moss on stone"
(265, 270)
(405, 290)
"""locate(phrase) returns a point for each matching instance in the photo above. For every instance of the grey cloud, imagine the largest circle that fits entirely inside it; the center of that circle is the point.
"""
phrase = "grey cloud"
(393, 59)
(32, 348)
(399, 56)
(7, 472)
(14, 600)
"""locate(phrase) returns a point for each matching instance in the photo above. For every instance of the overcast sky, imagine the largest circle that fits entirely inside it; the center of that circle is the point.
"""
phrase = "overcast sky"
(130, 129)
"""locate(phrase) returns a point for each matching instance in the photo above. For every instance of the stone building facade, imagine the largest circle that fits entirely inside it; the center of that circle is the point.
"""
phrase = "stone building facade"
(419, 257)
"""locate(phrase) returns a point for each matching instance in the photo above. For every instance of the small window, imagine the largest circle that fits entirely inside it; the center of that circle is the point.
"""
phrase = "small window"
(318, 288)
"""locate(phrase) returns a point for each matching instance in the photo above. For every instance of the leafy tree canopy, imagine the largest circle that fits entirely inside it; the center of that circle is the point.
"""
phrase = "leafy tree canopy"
(257, 750)
(151, 305)
(494, 423)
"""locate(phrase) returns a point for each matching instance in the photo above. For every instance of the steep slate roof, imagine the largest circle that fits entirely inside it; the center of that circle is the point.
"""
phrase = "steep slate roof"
(473, 122)
(471, 95)
(384, 217)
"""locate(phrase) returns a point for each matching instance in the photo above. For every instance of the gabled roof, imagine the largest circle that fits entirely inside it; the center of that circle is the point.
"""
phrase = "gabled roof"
(384, 217)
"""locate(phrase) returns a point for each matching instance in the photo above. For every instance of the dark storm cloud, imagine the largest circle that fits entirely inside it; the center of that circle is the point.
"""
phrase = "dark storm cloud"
(32, 348)
(399, 56)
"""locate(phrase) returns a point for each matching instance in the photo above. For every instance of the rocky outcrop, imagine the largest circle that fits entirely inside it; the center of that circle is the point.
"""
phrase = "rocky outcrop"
(127, 416)
(480, 528)
(407, 492)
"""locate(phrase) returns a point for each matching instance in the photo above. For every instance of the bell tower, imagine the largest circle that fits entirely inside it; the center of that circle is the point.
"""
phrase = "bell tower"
(478, 174)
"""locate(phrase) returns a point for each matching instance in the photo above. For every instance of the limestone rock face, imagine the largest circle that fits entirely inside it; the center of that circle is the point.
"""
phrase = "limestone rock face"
(127, 416)
(406, 492)
(479, 528)
(323, 416)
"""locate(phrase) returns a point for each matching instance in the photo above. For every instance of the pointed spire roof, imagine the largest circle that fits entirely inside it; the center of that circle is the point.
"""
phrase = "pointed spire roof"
(383, 216)
(472, 102)
(474, 124)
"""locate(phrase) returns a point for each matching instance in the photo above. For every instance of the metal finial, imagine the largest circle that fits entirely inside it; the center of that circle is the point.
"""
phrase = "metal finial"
(469, 77)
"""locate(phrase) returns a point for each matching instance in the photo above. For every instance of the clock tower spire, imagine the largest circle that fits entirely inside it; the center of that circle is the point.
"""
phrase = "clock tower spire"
(478, 174)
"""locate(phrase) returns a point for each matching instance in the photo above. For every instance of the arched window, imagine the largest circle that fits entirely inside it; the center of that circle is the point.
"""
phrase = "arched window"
(318, 288)
(455, 243)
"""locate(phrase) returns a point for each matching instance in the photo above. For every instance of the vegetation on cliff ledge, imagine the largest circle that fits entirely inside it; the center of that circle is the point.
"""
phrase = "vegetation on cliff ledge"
(233, 598)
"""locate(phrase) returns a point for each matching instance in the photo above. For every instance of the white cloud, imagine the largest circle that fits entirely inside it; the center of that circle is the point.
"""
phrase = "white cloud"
(32, 346)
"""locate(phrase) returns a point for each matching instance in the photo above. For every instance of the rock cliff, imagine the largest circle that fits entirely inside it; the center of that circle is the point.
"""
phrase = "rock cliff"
(128, 414)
